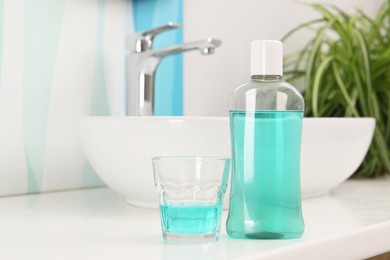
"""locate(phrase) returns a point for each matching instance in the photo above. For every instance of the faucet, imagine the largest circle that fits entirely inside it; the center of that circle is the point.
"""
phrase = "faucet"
(142, 62)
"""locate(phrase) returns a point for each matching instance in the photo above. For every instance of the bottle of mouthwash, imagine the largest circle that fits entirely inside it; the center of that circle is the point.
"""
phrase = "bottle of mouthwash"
(266, 116)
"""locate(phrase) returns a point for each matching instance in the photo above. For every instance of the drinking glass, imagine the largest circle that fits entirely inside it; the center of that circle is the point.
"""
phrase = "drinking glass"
(191, 190)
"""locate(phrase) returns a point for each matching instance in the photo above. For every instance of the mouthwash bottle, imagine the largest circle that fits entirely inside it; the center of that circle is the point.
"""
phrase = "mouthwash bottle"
(266, 117)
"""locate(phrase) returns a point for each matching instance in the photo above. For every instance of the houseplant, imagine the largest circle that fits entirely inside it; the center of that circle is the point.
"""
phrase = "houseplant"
(345, 68)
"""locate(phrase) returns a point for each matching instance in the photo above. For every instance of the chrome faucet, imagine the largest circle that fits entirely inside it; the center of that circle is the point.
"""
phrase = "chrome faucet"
(142, 62)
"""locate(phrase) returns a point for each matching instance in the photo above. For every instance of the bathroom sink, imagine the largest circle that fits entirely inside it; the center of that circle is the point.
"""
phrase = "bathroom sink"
(120, 149)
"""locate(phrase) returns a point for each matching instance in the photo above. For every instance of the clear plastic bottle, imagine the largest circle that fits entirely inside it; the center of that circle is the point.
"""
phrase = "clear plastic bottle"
(266, 117)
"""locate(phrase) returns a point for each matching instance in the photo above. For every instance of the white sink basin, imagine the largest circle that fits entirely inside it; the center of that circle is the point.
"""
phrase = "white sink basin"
(120, 149)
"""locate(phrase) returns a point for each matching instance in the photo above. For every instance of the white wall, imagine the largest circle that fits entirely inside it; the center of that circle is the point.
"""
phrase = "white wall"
(208, 80)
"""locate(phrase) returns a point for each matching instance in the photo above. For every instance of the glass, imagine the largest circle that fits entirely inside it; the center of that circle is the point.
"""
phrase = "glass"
(190, 191)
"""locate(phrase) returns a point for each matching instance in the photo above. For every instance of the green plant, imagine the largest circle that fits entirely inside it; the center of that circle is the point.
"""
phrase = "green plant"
(346, 70)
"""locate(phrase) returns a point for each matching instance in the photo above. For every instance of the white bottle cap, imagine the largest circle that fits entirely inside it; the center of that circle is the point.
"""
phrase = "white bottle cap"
(267, 57)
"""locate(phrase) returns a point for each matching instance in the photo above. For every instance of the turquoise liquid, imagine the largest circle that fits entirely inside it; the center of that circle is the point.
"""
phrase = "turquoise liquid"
(191, 220)
(265, 198)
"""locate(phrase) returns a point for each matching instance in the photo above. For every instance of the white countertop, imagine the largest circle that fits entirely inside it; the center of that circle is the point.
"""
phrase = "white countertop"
(353, 222)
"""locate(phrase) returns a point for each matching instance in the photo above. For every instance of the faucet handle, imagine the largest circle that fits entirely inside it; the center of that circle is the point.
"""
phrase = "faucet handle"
(143, 41)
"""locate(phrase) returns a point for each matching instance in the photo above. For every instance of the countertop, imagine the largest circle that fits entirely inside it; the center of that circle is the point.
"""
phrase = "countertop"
(352, 222)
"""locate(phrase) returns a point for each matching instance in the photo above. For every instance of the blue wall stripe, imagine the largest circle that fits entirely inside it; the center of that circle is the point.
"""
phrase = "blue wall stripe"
(43, 19)
(169, 76)
(99, 102)
(32, 186)
(1, 37)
